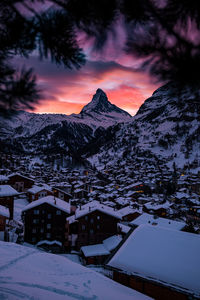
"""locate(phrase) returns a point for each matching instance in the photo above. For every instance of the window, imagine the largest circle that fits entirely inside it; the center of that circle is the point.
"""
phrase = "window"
(98, 226)
(98, 217)
(36, 212)
(58, 212)
(48, 226)
(35, 221)
(83, 227)
(91, 231)
(91, 221)
(86, 218)
(49, 216)
(48, 235)
(42, 230)
(33, 230)
(33, 239)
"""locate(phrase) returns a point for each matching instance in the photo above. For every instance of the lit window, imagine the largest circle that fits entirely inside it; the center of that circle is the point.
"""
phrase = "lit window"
(98, 217)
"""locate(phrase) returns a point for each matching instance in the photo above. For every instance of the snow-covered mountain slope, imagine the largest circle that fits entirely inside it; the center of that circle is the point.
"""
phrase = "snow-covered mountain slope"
(98, 113)
(166, 126)
(27, 273)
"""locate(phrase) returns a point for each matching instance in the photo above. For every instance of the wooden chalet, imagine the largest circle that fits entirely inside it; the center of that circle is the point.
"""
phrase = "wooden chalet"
(37, 192)
(7, 195)
(91, 224)
(20, 182)
(45, 219)
(4, 217)
(161, 263)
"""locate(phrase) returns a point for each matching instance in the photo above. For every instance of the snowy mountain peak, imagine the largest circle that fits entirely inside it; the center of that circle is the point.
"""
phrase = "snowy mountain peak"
(100, 104)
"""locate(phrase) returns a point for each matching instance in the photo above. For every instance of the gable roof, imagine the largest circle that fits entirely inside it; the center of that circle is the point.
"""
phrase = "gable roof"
(157, 221)
(167, 256)
(51, 200)
(7, 190)
(91, 207)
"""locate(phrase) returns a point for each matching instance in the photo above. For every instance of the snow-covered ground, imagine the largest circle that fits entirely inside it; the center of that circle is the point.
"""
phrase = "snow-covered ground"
(27, 273)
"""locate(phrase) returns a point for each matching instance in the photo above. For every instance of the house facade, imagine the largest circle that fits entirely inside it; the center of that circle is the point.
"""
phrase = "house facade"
(45, 219)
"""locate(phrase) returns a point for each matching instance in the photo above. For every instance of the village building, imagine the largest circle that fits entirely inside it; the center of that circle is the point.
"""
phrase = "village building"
(161, 263)
(20, 182)
(37, 192)
(97, 254)
(91, 224)
(4, 217)
(147, 219)
(7, 196)
(45, 219)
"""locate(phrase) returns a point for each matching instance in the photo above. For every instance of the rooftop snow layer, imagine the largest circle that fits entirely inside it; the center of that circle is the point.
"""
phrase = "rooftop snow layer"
(157, 221)
(51, 200)
(167, 256)
(7, 190)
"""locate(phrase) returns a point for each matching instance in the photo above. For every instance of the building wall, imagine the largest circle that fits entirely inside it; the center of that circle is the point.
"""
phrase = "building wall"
(44, 222)
(20, 183)
(8, 201)
(156, 291)
(93, 228)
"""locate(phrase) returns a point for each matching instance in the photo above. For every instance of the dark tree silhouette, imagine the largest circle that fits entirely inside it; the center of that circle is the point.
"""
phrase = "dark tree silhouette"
(22, 30)
(164, 34)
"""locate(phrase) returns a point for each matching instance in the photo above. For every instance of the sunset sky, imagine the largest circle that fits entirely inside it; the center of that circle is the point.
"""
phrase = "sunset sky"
(67, 91)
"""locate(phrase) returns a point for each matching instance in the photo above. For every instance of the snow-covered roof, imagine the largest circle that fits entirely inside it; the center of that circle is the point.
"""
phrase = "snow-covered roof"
(51, 200)
(123, 228)
(153, 206)
(91, 207)
(45, 276)
(7, 190)
(46, 242)
(4, 211)
(3, 178)
(36, 189)
(18, 174)
(126, 210)
(167, 256)
(157, 221)
(95, 250)
(112, 242)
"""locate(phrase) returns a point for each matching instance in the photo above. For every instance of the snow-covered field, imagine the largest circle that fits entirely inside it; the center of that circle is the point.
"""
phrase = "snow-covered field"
(27, 273)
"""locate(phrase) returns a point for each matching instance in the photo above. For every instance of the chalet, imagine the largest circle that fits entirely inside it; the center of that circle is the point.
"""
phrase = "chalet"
(147, 219)
(37, 192)
(20, 182)
(128, 214)
(91, 224)
(157, 209)
(97, 254)
(7, 195)
(63, 192)
(161, 263)
(4, 217)
(44, 219)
